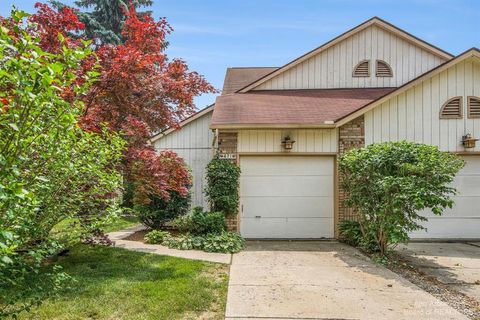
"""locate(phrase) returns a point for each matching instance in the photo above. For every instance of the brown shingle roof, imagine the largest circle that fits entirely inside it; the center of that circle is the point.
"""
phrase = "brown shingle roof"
(291, 107)
(237, 78)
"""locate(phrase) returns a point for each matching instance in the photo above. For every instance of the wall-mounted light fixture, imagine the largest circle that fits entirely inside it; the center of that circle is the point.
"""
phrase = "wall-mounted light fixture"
(287, 143)
(468, 141)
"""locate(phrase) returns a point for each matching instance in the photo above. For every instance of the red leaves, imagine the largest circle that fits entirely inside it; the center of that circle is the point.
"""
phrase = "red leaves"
(139, 92)
(52, 23)
(154, 174)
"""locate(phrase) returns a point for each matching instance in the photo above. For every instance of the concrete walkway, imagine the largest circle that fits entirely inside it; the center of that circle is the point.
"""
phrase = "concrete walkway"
(118, 238)
(322, 280)
(455, 264)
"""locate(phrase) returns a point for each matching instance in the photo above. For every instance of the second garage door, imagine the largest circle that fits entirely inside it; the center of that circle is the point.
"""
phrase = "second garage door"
(287, 197)
(463, 220)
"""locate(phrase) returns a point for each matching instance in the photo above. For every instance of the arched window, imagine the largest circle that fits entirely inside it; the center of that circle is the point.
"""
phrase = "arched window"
(383, 69)
(452, 109)
(362, 69)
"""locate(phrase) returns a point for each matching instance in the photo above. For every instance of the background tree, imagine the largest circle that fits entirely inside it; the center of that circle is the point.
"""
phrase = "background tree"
(104, 19)
(389, 184)
(139, 92)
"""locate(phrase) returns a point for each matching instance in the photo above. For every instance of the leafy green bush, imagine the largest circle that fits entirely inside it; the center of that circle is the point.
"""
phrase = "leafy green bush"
(156, 236)
(185, 242)
(222, 186)
(351, 231)
(226, 242)
(159, 211)
(389, 183)
(201, 223)
(51, 169)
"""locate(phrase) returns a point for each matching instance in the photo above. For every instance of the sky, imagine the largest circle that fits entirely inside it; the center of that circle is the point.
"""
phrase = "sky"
(212, 35)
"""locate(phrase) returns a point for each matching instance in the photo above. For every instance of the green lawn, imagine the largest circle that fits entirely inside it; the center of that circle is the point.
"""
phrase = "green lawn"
(122, 223)
(113, 283)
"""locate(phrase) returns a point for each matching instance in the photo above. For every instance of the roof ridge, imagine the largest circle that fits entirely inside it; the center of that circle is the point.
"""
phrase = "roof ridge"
(365, 24)
(405, 86)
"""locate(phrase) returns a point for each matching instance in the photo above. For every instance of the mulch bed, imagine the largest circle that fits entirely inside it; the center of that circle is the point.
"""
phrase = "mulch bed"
(457, 300)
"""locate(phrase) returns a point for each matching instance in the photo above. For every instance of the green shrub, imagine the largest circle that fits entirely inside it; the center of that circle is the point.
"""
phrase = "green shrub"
(351, 231)
(201, 223)
(388, 184)
(156, 236)
(185, 242)
(226, 242)
(159, 211)
(51, 170)
(222, 186)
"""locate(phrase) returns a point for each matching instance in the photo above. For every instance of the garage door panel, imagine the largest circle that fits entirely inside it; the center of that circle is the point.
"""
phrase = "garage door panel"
(463, 220)
(472, 166)
(275, 206)
(286, 228)
(464, 207)
(253, 228)
(286, 196)
(467, 185)
(453, 228)
(261, 186)
(309, 228)
(283, 166)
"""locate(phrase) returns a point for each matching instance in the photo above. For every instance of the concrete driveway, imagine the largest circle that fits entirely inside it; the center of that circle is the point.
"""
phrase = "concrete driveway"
(322, 280)
(454, 264)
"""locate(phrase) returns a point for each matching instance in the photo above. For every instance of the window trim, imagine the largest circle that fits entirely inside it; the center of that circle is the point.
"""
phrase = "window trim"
(469, 115)
(377, 62)
(460, 116)
(358, 64)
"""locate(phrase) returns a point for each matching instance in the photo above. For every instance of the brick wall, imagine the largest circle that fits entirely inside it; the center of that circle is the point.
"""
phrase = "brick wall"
(227, 148)
(351, 136)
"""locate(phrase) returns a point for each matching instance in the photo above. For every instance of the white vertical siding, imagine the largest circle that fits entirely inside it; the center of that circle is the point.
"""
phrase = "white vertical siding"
(269, 140)
(193, 142)
(414, 114)
(333, 67)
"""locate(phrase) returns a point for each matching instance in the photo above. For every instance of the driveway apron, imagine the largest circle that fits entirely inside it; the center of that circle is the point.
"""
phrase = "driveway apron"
(322, 280)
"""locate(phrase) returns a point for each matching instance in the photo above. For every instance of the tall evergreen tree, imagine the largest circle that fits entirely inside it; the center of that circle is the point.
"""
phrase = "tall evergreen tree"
(104, 19)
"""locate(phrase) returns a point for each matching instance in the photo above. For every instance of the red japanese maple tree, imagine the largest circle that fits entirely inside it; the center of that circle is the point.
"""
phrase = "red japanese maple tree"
(139, 92)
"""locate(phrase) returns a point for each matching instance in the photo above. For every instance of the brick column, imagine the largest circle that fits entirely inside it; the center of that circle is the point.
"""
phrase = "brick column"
(227, 147)
(351, 136)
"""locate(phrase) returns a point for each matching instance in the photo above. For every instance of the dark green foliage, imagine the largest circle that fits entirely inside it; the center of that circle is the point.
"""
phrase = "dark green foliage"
(222, 186)
(159, 211)
(351, 233)
(388, 184)
(202, 223)
(104, 19)
(156, 236)
(226, 242)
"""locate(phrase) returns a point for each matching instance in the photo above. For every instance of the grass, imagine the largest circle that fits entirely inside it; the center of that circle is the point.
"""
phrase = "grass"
(113, 283)
(122, 223)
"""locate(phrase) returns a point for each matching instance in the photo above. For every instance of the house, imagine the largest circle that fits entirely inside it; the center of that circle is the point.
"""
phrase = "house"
(192, 142)
(287, 126)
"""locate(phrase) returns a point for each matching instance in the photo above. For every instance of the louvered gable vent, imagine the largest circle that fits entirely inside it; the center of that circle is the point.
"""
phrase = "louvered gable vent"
(474, 107)
(383, 69)
(362, 69)
(452, 109)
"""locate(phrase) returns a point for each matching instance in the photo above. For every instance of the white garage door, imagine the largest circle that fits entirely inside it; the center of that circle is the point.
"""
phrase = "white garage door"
(286, 196)
(463, 220)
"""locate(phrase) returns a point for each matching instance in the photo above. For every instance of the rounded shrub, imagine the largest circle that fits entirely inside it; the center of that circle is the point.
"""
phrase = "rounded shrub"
(159, 211)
